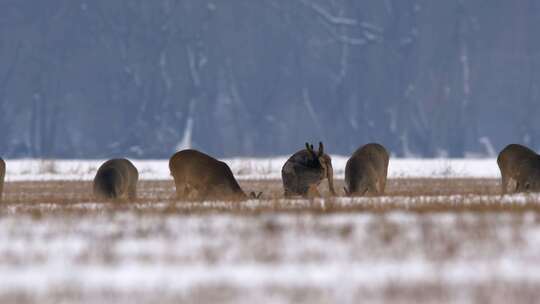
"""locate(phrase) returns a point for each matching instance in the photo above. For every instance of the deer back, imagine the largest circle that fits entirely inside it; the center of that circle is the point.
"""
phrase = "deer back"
(511, 156)
(367, 169)
(305, 166)
(116, 178)
(205, 174)
(306, 169)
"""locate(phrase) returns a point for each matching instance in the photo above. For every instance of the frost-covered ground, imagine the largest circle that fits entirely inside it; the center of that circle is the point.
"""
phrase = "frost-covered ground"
(440, 240)
(251, 168)
(150, 253)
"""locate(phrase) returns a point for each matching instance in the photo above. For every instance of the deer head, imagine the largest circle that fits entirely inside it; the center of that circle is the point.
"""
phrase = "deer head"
(326, 164)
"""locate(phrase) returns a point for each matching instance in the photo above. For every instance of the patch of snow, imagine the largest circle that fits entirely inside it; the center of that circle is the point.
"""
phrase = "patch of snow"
(126, 252)
(251, 168)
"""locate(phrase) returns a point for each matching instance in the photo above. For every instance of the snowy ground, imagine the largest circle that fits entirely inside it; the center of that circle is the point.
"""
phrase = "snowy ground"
(452, 239)
(92, 253)
(251, 168)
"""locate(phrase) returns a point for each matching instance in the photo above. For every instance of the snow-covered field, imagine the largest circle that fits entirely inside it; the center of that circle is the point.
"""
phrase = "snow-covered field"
(146, 254)
(429, 241)
(250, 168)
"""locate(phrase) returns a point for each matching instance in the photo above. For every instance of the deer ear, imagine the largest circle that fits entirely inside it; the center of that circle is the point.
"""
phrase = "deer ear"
(321, 148)
(309, 148)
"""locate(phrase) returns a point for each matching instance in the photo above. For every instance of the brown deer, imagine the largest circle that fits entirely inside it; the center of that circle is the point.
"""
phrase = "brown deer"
(198, 176)
(366, 171)
(2, 176)
(304, 170)
(116, 179)
(520, 169)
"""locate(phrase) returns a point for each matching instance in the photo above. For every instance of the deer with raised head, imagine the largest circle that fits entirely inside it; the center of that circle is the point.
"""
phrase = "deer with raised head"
(2, 176)
(366, 171)
(116, 179)
(199, 176)
(304, 170)
(520, 169)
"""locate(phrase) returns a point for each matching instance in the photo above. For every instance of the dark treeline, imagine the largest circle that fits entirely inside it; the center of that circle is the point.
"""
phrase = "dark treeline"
(143, 78)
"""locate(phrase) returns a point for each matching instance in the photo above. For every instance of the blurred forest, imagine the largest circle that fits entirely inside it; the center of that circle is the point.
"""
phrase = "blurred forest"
(138, 78)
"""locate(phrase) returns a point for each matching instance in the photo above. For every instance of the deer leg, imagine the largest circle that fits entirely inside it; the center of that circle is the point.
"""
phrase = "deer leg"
(364, 191)
(504, 182)
(180, 191)
(371, 189)
(184, 191)
(196, 193)
(132, 192)
(518, 187)
(313, 191)
(361, 188)
(384, 179)
(287, 193)
(180, 188)
(378, 187)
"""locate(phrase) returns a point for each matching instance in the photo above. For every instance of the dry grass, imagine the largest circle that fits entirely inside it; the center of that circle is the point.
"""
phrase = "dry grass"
(446, 223)
(272, 189)
(412, 195)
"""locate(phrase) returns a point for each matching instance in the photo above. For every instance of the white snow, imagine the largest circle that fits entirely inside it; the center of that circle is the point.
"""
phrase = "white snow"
(148, 252)
(250, 168)
(126, 253)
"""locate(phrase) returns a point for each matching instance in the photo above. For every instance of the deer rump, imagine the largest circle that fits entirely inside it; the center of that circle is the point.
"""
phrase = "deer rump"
(520, 169)
(116, 179)
(366, 171)
(198, 176)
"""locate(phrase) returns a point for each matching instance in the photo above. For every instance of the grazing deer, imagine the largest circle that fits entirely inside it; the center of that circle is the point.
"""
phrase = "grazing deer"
(366, 170)
(304, 170)
(198, 176)
(116, 179)
(520, 166)
(2, 175)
